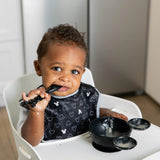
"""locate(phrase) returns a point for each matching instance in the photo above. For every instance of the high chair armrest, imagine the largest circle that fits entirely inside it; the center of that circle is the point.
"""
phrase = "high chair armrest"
(126, 107)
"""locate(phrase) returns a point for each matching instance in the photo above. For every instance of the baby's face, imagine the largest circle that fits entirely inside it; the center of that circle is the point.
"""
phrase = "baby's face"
(62, 65)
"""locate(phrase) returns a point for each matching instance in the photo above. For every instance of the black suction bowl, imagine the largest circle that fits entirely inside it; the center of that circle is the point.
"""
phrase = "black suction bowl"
(139, 123)
(104, 129)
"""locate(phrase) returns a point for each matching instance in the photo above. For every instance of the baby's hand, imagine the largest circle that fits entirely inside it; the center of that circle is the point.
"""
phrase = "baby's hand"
(109, 113)
(41, 105)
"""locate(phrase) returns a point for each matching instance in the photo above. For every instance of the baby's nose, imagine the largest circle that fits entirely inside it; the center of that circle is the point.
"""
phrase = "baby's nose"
(64, 78)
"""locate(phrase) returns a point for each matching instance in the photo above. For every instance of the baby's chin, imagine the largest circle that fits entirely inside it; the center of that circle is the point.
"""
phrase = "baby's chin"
(62, 93)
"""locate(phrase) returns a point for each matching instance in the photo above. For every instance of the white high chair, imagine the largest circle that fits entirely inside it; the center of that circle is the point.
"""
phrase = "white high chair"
(12, 94)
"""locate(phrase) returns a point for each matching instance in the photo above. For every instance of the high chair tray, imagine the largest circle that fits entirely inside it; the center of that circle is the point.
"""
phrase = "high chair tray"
(81, 148)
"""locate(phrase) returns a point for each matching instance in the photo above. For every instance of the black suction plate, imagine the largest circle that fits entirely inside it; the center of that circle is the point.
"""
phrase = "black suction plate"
(104, 149)
(139, 123)
(124, 142)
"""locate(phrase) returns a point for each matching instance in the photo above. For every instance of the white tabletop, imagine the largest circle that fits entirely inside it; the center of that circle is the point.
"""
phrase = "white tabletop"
(80, 148)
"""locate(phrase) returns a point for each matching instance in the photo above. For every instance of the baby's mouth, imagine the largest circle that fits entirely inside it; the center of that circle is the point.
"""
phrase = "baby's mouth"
(63, 89)
(53, 88)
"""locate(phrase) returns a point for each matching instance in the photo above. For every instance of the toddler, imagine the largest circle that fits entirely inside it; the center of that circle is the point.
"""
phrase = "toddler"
(68, 111)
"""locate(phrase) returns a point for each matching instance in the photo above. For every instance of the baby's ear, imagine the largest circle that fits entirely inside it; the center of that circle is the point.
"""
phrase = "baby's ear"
(37, 67)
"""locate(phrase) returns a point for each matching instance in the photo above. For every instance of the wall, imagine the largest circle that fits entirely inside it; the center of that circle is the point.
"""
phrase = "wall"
(153, 61)
(39, 15)
(11, 53)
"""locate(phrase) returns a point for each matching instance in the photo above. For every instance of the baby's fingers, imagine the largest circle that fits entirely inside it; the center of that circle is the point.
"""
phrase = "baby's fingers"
(124, 117)
(24, 97)
(33, 93)
(41, 105)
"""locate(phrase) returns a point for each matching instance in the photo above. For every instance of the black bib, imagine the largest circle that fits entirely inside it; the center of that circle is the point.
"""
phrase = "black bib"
(71, 116)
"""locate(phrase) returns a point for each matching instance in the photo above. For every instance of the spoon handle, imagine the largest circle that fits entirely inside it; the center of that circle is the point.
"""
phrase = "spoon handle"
(34, 101)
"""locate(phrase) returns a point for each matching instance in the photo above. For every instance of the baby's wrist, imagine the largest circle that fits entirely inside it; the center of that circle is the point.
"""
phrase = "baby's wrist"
(36, 112)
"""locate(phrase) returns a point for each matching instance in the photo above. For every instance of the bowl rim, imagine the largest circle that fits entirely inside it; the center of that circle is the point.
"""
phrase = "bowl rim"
(96, 119)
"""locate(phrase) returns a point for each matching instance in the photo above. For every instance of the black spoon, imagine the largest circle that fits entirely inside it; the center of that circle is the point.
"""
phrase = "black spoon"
(33, 102)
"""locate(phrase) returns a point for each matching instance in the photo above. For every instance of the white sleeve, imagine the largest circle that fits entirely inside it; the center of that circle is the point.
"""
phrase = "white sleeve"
(23, 114)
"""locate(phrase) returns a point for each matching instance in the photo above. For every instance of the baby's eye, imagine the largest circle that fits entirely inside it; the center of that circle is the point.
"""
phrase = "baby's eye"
(57, 69)
(75, 72)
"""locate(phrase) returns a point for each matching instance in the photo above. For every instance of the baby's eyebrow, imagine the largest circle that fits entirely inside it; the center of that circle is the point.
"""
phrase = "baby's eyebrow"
(74, 66)
(79, 67)
(55, 63)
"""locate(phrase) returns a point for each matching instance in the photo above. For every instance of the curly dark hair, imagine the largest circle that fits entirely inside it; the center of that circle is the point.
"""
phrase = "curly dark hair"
(63, 34)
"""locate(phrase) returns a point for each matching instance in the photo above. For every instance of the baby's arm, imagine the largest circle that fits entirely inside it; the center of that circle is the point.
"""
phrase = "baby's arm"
(33, 128)
(108, 113)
